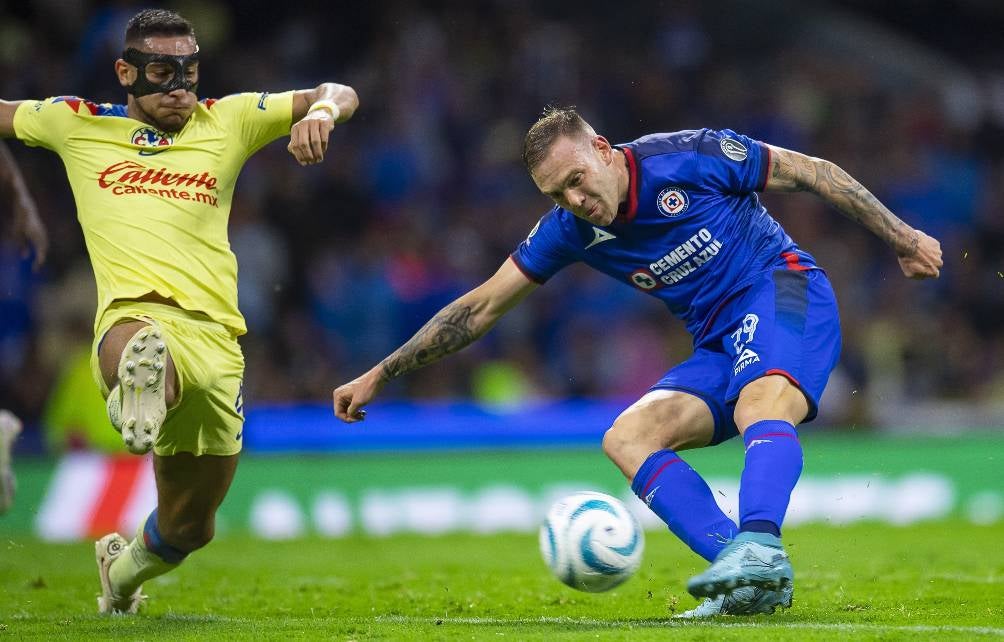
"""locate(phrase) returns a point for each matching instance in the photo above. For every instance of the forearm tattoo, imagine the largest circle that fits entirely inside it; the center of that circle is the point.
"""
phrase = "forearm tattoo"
(795, 172)
(450, 330)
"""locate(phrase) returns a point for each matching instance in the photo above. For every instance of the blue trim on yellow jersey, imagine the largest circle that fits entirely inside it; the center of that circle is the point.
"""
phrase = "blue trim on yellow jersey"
(96, 109)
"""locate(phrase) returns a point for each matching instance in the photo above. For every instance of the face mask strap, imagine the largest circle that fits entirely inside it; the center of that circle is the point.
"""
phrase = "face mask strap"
(143, 87)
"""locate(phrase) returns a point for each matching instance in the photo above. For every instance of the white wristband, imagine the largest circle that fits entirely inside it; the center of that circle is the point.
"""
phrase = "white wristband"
(329, 105)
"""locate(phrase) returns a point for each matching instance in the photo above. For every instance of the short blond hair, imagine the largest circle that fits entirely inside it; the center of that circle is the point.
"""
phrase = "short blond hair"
(555, 123)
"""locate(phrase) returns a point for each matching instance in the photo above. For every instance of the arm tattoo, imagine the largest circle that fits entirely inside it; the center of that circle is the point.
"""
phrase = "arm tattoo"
(791, 173)
(448, 331)
(795, 172)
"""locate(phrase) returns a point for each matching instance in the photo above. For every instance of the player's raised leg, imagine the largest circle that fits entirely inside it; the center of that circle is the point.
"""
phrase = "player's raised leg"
(137, 367)
(189, 491)
(644, 441)
(756, 556)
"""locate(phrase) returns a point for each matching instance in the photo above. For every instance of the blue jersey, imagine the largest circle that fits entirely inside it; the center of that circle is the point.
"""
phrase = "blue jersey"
(693, 232)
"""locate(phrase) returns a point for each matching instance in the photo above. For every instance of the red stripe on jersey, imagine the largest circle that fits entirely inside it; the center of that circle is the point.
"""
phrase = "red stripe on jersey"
(74, 104)
(519, 267)
(632, 191)
(793, 264)
(784, 373)
(121, 474)
(766, 169)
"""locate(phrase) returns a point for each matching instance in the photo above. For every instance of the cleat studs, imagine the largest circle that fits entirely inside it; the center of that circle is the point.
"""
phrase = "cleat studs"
(160, 347)
(158, 365)
(129, 423)
(129, 382)
(130, 366)
(143, 334)
(156, 334)
(138, 347)
(152, 379)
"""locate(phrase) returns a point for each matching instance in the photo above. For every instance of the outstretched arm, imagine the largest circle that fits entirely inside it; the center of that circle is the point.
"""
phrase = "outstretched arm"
(28, 227)
(919, 254)
(7, 109)
(457, 325)
(315, 113)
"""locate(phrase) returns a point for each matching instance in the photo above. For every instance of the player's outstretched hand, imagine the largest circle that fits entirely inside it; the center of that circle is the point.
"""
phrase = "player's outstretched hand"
(924, 262)
(308, 139)
(350, 398)
(30, 230)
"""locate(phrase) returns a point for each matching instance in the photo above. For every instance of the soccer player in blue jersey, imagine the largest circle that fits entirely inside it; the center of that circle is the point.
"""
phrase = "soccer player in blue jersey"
(677, 216)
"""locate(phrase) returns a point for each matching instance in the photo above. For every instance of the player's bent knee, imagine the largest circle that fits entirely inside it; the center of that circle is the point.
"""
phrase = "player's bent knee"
(635, 435)
(771, 397)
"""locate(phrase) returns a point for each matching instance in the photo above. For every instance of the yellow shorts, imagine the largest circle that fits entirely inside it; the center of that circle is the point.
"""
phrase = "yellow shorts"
(208, 415)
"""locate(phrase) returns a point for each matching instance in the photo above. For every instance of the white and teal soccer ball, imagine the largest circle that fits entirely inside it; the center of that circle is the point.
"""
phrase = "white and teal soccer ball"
(591, 541)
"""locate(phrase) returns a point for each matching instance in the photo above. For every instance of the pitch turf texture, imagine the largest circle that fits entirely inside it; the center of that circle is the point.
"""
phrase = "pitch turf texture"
(935, 581)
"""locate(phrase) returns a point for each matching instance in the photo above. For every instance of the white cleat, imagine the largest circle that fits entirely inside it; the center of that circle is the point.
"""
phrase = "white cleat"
(106, 550)
(10, 428)
(746, 600)
(136, 405)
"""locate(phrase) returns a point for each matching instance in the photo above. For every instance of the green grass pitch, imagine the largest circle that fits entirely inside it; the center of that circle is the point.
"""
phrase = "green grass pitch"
(936, 581)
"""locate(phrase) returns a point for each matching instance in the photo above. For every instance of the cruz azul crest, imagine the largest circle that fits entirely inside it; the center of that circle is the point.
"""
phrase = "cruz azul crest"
(673, 201)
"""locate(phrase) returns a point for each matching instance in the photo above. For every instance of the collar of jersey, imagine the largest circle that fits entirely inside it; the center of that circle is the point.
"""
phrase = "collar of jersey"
(628, 210)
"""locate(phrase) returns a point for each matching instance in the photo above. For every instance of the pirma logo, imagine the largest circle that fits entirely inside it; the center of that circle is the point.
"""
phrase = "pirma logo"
(733, 149)
(673, 201)
(744, 359)
(151, 140)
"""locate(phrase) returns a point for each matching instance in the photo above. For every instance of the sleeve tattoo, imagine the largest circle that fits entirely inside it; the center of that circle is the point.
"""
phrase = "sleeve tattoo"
(447, 332)
(793, 172)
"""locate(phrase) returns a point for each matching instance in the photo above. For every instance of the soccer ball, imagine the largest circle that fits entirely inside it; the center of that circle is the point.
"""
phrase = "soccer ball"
(591, 542)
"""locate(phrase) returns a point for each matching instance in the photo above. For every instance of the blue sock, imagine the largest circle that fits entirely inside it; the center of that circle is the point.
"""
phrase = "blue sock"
(773, 464)
(156, 544)
(681, 498)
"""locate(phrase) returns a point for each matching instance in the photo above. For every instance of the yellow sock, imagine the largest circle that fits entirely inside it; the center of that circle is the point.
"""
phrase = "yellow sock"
(136, 565)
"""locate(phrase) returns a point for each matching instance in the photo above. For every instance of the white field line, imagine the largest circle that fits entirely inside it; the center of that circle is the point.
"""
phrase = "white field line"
(678, 624)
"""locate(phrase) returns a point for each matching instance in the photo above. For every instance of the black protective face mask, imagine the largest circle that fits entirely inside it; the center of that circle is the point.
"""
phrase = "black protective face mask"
(143, 87)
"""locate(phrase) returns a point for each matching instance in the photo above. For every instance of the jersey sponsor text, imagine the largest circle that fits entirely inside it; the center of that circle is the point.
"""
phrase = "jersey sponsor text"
(130, 177)
(686, 257)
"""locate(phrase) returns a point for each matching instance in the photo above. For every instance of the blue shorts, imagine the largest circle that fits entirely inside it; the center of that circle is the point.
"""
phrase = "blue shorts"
(786, 323)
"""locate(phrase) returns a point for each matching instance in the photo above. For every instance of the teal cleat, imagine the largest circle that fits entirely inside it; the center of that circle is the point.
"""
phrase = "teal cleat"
(751, 559)
(747, 600)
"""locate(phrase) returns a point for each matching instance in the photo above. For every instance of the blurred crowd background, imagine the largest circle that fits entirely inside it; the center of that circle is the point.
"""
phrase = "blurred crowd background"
(423, 194)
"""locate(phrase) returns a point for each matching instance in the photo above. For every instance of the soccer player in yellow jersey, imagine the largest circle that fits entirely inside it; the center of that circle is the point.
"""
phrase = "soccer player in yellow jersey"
(153, 181)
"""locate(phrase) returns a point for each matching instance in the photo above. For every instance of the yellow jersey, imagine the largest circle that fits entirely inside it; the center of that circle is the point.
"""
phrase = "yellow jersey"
(154, 205)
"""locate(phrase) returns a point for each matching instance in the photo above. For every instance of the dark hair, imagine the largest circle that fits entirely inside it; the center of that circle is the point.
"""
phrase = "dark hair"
(555, 123)
(156, 22)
